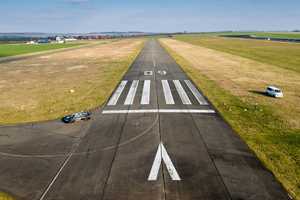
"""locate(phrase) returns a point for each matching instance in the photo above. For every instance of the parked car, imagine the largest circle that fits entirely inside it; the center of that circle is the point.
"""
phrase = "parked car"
(274, 92)
(77, 117)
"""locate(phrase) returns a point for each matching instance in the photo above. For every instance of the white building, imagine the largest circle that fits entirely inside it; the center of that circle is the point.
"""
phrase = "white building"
(31, 42)
(70, 39)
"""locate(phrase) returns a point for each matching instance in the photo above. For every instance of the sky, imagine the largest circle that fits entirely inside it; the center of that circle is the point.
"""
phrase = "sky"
(83, 16)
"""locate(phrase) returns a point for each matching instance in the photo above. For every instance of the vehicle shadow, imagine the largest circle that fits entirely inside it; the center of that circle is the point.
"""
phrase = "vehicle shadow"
(263, 93)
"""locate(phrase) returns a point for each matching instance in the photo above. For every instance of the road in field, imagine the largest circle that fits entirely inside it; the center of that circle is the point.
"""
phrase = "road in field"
(156, 138)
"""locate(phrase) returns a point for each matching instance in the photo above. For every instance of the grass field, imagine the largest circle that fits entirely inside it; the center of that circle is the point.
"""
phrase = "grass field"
(285, 55)
(279, 35)
(52, 85)
(285, 35)
(271, 127)
(18, 49)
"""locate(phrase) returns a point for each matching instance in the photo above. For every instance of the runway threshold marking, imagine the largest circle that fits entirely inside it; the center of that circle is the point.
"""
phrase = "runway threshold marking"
(114, 99)
(146, 92)
(168, 96)
(132, 91)
(182, 94)
(196, 93)
(162, 155)
(199, 111)
(167, 92)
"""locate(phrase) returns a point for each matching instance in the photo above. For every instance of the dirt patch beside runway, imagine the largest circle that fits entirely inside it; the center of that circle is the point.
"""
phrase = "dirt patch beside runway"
(49, 86)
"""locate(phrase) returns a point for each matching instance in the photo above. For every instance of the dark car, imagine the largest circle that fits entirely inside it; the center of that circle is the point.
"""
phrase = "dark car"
(77, 117)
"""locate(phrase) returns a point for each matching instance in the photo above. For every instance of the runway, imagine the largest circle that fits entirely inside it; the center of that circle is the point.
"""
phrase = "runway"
(157, 137)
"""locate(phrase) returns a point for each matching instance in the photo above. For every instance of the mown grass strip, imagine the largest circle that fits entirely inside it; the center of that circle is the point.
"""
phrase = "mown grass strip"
(284, 55)
(282, 35)
(279, 35)
(18, 49)
(267, 135)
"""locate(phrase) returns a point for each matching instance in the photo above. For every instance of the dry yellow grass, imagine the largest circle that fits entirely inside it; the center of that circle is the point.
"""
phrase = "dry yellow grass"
(244, 77)
(39, 88)
(4, 196)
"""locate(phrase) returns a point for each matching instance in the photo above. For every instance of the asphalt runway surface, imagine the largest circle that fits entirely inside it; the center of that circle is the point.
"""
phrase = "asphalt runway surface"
(157, 137)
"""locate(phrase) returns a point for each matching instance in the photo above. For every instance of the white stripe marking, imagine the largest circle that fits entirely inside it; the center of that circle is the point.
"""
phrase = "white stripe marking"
(130, 97)
(162, 154)
(129, 111)
(57, 174)
(146, 92)
(156, 165)
(185, 111)
(114, 99)
(159, 111)
(167, 92)
(153, 60)
(183, 96)
(196, 93)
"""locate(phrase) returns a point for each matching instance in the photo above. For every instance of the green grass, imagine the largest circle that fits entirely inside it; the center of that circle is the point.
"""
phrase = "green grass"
(279, 35)
(18, 49)
(277, 146)
(285, 35)
(284, 55)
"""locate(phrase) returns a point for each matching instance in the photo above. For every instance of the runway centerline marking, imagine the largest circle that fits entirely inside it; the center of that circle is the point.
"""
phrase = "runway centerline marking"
(162, 155)
(132, 92)
(146, 93)
(183, 96)
(153, 60)
(196, 93)
(114, 99)
(167, 92)
(199, 111)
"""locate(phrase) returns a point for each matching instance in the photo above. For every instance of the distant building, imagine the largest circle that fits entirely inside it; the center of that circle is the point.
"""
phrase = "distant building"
(31, 42)
(60, 40)
(43, 41)
(70, 39)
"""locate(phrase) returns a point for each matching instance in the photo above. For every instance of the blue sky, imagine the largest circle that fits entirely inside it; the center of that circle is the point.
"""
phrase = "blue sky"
(151, 15)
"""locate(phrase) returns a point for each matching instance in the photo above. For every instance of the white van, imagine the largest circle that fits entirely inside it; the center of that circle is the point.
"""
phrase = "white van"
(274, 92)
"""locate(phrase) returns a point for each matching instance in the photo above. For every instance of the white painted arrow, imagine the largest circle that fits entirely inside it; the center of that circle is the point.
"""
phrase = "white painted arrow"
(162, 154)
